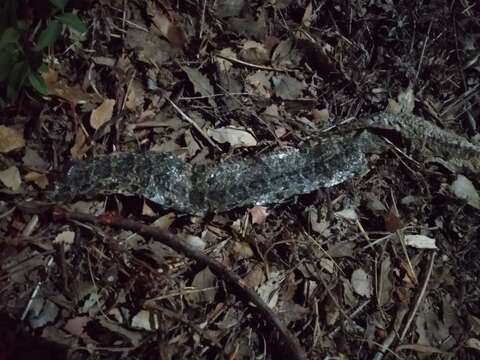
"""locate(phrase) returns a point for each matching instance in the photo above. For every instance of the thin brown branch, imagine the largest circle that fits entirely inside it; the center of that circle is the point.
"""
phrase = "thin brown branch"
(176, 243)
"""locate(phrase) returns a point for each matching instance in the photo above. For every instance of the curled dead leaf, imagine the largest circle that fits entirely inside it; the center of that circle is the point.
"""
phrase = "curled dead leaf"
(102, 114)
(73, 94)
(259, 214)
(41, 180)
(11, 178)
(235, 136)
(10, 139)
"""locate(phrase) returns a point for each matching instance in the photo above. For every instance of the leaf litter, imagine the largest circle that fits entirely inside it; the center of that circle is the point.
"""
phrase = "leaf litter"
(253, 77)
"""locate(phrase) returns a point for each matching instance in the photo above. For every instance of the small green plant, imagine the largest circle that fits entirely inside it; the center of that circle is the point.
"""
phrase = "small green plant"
(23, 41)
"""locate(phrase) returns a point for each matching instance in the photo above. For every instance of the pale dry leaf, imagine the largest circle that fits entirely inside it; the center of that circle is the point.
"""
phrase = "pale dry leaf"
(464, 189)
(347, 214)
(385, 283)
(406, 100)
(145, 320)
(147, 210)
(420, 242)
(195, 242)
(102, 114)
(269, 290)
(473, 343)
(235, 136)
(164, 222)
(241, 250)
(10, 139)
(254, 52)
(259, 214)
(131, 102)
(362, 283)
(393, 107)
(41, 180)
(11, 178)
(201, 83)
(373, 203)
(307, 16)
(65, 238)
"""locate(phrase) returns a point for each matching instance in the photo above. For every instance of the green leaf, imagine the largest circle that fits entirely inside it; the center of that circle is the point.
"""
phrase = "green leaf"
(60, 4)
(50, 34)
(37, 82)
(73, 21)
(9, 36)
(43, 68)
(16, 79)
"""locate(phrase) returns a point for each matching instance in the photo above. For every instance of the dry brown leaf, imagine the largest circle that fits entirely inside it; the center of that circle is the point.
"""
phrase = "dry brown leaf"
(41, 180)
(201, 83)
(81, 145)
(241, 250)
(259, 214)
(473, 343)
(204, 284)
(131, 102)
(10, 139)
(102, 114)
(255, 277)
(173, 33)
(11, 178)
(73, 94)
(165, 221)
(254, 52)
(307, 16)
(76, 325)
(392, 222)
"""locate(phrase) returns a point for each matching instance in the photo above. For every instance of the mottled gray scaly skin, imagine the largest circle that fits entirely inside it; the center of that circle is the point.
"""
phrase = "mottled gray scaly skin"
(198, 189)
(268, 178)
(424, 134)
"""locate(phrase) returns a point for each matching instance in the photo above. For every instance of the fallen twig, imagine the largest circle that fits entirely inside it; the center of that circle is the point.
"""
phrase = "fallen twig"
(174, 242)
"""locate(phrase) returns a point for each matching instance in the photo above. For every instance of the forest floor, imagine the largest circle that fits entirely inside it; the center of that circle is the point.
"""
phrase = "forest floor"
(382, 266)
